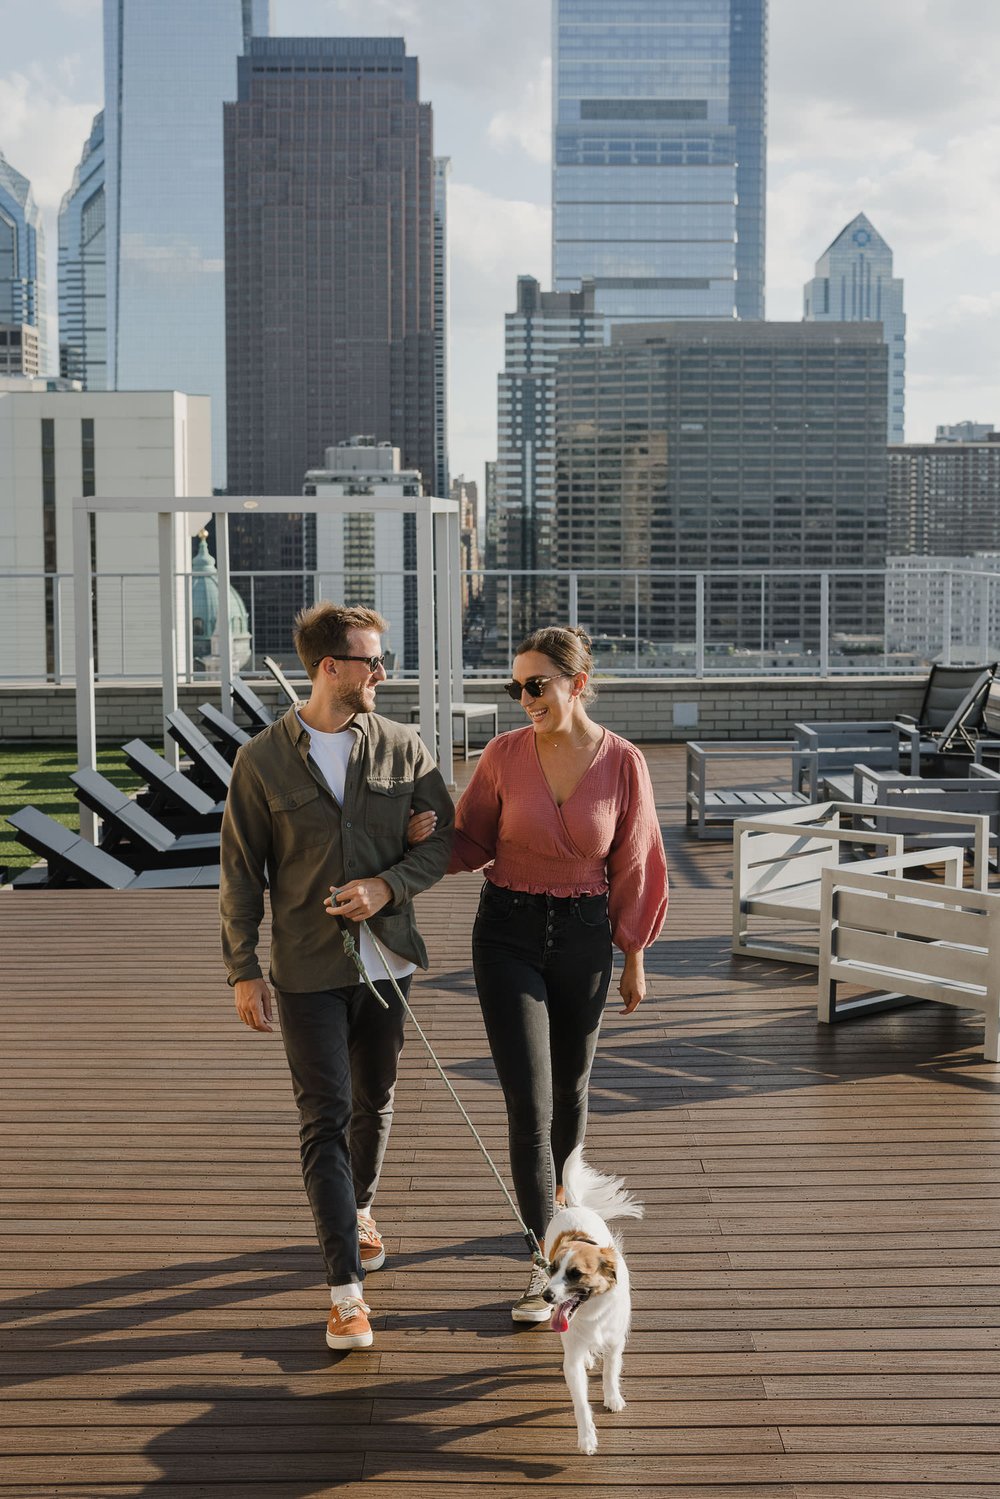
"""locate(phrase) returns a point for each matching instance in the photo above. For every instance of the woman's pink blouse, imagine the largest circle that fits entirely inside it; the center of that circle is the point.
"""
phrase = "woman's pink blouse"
(605, 836)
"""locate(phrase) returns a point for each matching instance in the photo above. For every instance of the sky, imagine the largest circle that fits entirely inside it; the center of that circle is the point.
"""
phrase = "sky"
(890, 107)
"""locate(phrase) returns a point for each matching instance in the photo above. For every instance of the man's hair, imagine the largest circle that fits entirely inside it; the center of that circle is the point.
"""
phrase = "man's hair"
(322, 630)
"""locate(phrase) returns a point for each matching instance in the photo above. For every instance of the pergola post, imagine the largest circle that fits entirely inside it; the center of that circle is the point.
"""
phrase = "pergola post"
(442, 602)
(224, 623)
(425, 629)
(83, 612)
(166, 528)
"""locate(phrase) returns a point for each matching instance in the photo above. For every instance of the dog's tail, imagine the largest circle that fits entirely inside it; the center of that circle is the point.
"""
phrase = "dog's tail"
(587, 1188)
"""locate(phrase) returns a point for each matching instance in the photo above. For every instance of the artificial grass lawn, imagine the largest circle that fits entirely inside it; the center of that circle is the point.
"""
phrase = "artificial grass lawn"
(37, 775)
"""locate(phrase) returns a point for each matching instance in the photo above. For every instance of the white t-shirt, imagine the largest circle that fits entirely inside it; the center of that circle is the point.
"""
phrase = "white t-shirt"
(331, 753)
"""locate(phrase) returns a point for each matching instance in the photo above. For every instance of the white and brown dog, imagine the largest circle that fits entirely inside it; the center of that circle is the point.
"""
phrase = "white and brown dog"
(589, 1286)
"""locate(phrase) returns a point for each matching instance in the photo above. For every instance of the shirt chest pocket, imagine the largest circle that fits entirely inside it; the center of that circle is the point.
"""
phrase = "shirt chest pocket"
(387, 808)
(298, 818)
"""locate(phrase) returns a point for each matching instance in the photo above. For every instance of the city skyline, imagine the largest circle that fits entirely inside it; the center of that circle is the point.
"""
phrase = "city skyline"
(904, 128)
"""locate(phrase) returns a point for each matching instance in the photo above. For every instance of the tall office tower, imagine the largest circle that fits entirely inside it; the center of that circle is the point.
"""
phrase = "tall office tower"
(944, 498)
(83, 301)
(442, 324)
(854, 284)
(168, 67)
(964, 432)
(329, 274)
(710, 446)
(544, 323)
(465, 492)
(24, 321)
(659, 155)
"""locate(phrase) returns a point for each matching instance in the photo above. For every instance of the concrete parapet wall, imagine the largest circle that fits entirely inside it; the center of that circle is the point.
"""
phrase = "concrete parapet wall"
(643, 710)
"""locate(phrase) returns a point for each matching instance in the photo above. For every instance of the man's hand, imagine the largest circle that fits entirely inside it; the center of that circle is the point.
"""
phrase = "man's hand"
(358, 899)
(253, 1003)
(632, 985)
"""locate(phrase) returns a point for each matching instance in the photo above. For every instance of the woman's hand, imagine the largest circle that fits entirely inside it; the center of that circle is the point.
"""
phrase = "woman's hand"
(632, 985)
(421, 826)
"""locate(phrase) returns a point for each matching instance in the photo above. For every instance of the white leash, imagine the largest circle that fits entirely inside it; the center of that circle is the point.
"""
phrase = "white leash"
(351, 949)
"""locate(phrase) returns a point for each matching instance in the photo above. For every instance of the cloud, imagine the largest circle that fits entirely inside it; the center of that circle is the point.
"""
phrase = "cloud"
(493, 241)
(44, 131)
(527, 121)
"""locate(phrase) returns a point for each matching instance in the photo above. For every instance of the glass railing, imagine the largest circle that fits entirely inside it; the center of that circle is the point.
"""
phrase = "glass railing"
(643, 621)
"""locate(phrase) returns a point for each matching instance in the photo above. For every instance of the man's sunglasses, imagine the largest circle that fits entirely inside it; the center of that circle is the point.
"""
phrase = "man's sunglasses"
(372, 662)
(534, 686)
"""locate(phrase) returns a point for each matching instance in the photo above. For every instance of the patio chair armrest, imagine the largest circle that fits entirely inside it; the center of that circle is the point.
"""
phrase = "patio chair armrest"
(909, 732)
(951, 856)
(992, 746)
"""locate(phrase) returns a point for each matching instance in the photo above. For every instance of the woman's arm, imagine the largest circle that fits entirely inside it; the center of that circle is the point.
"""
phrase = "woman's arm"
(637, 877)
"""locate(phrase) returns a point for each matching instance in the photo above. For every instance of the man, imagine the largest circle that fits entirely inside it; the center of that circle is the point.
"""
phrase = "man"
(318, 809)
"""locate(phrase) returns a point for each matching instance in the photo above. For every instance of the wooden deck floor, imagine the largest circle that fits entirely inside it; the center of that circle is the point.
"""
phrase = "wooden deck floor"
(817, 1279)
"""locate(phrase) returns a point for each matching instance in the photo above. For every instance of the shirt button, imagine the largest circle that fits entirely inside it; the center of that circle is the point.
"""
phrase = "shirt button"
(347, 824)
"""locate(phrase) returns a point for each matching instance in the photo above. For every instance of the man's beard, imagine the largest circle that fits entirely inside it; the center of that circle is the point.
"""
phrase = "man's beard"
(354, 700)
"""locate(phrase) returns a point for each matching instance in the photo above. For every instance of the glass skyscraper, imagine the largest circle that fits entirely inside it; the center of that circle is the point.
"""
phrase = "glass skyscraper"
(83, 340)
(659, 155)
(854, 284)
(22, 267)
(169, 65)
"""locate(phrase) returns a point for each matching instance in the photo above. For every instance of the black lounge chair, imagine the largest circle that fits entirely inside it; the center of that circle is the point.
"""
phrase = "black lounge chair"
(134, 835)
(73, 861)
(171, 795)
(282, 681)
(244, 697)
(209, 770)
(951, 715)
(229, 735)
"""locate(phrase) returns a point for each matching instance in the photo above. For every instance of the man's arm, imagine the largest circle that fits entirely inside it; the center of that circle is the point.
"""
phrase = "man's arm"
(423, 864)
(245, 844)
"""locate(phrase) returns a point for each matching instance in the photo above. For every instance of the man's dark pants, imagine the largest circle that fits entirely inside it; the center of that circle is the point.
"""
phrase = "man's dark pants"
(342, 1049)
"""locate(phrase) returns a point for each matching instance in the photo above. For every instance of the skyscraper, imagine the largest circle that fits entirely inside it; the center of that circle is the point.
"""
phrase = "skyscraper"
(83, 301)
(854, 284)
(23, 303)
(659, 155)
(723, 447)
(543, 323)
(442, 323)
(168, 67)
(329, 272)
(944, 498)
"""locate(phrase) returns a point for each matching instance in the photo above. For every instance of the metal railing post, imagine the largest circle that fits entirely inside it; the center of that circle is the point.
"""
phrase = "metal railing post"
(699, 625)
(946, 653)
(824, 624)
(574, 600)
(57, 629)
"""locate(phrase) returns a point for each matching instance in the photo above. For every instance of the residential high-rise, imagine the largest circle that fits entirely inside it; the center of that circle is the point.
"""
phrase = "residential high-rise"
(329, 274)
(362, 557)
(442, 324)
(544, 323)
(725, 448)
(168, 68)
(944, 498)
(23, 300)
(659, 155)
(83, 301)
(854, 284)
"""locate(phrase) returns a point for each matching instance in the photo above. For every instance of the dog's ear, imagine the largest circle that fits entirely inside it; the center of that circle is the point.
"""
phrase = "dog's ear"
(608, 1265)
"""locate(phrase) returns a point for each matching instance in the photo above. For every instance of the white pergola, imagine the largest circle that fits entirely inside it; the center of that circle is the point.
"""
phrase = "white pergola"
(439, 604)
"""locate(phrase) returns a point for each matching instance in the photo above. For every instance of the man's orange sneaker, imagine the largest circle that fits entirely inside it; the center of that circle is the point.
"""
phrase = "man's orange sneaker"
(370, 1244)
(348, 1326)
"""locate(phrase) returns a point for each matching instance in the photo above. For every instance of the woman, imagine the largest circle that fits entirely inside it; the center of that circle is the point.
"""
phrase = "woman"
(560, 815)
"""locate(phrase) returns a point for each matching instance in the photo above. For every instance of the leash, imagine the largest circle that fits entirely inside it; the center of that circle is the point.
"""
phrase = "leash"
(351, 949)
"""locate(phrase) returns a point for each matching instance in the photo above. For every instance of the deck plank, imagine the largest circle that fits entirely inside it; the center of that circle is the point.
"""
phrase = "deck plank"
(817, 1279)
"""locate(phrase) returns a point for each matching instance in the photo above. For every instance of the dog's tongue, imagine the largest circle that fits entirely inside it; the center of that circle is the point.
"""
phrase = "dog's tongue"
(560, 1317)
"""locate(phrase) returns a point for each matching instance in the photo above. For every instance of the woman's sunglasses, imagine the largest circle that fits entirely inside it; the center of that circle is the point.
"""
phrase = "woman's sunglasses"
(534, 686)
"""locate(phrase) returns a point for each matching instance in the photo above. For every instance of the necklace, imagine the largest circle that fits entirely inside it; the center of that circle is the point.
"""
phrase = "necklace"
(585, 743)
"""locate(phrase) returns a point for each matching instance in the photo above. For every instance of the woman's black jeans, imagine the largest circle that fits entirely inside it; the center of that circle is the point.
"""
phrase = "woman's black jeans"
(543, 966)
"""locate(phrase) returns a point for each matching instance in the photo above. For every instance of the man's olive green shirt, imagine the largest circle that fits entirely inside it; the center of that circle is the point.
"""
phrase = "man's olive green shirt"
(284, 829)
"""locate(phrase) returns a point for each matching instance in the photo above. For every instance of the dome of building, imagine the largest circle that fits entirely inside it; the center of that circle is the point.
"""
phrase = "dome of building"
(205, 609)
